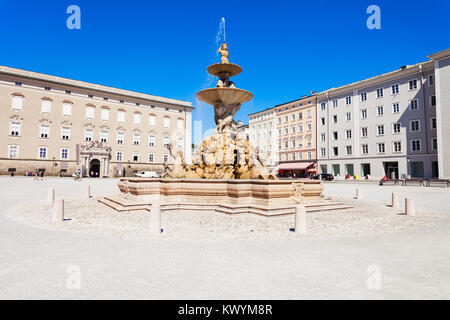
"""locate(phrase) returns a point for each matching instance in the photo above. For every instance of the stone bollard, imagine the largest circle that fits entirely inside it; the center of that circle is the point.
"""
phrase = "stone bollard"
(155, 218)
(358, 194)
(394, 202)
(51, 196)
(410, 210)
(301, 223)
(88, 192)
(58, 210)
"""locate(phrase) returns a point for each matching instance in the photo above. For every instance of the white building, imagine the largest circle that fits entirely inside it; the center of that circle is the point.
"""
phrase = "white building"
(385, 125)
(263, 135)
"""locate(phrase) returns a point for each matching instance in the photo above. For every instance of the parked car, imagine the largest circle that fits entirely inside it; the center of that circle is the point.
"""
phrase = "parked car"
(147, 174)
(324, 176)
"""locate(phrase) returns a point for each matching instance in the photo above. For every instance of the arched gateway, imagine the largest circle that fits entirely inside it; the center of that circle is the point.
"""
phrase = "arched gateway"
(95, 158)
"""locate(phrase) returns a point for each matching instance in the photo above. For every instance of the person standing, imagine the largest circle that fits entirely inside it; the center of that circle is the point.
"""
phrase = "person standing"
(36, 174)
(42, 175)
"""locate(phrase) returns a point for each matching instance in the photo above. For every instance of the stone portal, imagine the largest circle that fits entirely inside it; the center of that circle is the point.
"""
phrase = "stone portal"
(95, 157)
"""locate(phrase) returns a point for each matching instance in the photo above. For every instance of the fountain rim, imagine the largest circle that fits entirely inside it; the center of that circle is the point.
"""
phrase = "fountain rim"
(217, 69)
(224, 89)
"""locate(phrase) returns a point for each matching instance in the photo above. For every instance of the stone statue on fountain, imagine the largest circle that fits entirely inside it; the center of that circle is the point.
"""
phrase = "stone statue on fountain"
(226, 154)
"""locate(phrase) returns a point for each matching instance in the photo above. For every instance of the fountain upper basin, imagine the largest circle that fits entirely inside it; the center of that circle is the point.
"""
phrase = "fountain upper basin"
(224, 95)
(218, 68)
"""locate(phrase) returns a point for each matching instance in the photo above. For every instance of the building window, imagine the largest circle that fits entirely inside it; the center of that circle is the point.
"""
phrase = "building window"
(119, 156)
(300, 156)
(104, 136)
(348, 134)
(65, 133)
(413, 84)
(137, 118)
(364, 96)
(395, 89)
(348, 116)
(105, 114)
(335, 119)
(165, 141)
(335, 103)
(286, 118)
(322, 120)
(300, 128)
(120, 137)
(121, 116)
(380, 93)
(293, 143)
(293, 129)
(348, 100)
(433, 123)
(151, 157)
(433, 101)
(335, 135)
(396, 127)
(279, 120)
(363, 113)
(309, 113)
(365, 149)
(323, 152)
(309, 155)
(42, 153)
(380, 110)
(90, 112)
(414, 125)
(46, 106)
(166, 158)
(14, 129)
(17, 102)
(13, 152)
(309, 126)
(380, 130)
(415, 145)
(88, 135)
(180, 143)
(323, 106)
(151, 141)
(434, 143)
(381, 147)
(322, 137)
(431, 80)
(414, 104)
(293, 156)
(286, 130)
(335, 151)
(64, 154)
(293, 117)
(152, 120)
(44, 131)
(396, 146)
(180, 124)
(364, 132)
(348, 150)
(417, 169)
(395, 108)
(135, 157)
(136, 139)
(300, 116)
(67, 109)
(166, 122)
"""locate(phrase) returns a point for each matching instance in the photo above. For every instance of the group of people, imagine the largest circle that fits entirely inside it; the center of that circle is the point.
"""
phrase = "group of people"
(38, 175)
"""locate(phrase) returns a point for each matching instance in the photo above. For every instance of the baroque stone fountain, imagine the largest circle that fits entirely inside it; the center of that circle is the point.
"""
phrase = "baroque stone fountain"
(227, 154)
(227, 174)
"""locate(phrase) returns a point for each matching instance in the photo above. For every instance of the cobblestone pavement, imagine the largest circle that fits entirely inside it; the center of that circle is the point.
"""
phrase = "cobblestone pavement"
(38, 262)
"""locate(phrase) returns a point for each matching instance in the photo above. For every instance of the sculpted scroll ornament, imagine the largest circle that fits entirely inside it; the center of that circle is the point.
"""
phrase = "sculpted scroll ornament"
(297, 192)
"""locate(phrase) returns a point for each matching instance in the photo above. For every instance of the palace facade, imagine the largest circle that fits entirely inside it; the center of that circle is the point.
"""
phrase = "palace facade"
(61, 125)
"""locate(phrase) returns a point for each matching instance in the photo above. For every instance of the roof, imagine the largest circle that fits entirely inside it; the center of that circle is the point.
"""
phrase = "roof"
(90, 86)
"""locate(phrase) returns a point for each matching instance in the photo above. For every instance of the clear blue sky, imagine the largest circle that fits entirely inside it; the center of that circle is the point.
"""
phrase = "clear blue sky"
(286, 48)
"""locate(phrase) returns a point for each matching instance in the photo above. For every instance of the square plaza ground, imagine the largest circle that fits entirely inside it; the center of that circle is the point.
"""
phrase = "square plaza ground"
(35, 262)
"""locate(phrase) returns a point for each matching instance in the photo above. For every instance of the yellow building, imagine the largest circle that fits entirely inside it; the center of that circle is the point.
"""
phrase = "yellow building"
(296, 125)
(61, 125)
